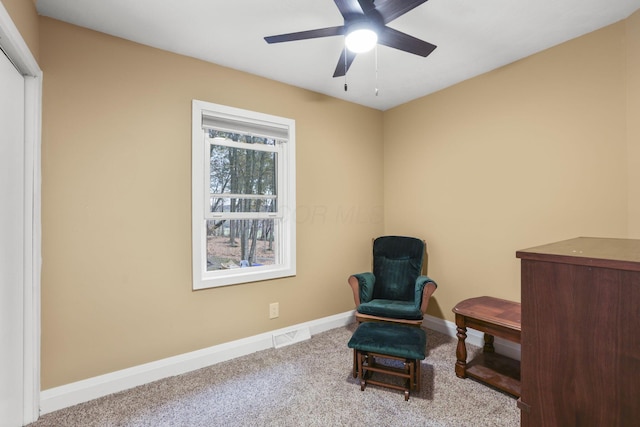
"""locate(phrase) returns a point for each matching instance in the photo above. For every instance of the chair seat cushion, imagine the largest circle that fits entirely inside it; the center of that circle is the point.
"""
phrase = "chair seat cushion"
(391, 308)
(391, 339)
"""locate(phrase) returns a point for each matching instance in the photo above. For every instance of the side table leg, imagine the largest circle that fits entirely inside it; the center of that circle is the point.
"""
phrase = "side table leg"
(488, 344)
(461, 349)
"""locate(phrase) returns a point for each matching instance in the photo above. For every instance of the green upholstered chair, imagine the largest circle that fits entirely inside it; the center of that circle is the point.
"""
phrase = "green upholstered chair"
(396, 290)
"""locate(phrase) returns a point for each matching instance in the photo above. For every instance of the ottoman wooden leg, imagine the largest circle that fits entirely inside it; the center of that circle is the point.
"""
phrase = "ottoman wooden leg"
(363, 383)
(412, 378)
(355, 363)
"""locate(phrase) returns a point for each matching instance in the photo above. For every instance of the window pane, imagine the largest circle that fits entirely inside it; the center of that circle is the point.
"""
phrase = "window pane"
(240, 243)
(256, 204)
(238, 171)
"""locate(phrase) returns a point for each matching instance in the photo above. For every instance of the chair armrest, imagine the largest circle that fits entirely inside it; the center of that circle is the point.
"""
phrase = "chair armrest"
(425, 287)
(362, 287)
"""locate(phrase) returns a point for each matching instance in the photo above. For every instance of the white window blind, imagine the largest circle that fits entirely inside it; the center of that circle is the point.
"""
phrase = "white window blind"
(252, 127)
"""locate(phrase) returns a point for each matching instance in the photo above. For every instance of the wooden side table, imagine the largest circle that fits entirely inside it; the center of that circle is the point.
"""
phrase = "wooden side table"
(494, 317)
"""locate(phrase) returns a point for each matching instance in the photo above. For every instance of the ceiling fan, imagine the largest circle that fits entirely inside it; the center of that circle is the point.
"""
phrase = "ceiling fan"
(368, 18)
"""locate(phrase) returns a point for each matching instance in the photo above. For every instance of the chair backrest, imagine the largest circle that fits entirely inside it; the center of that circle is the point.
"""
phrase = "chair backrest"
(397, 263)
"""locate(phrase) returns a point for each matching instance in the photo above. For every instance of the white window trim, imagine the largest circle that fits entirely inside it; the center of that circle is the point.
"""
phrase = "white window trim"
(203, 279)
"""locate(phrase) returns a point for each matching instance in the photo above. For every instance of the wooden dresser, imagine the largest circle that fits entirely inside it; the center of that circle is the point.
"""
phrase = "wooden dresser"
(580, 357)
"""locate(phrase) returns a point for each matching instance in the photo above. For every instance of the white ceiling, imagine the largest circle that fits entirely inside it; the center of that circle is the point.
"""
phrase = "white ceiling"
(473, 37)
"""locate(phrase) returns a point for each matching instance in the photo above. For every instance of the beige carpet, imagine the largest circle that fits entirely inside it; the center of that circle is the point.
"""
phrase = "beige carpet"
(305, 384)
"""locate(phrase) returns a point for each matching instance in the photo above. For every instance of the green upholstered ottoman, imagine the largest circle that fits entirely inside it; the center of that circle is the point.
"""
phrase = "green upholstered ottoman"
(405, 344)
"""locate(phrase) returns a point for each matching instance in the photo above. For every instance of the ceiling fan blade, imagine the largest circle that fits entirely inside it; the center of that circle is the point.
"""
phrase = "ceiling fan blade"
(348, 8)
(344, 63)
(367, 6)
(392, 9)
(405, 42)
(304, 35)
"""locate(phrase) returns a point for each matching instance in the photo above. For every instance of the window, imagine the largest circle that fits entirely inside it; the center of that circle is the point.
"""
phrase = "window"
(243, 196)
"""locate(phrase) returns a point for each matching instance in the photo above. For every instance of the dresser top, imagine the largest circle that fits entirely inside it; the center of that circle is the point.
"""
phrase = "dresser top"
(594, 251)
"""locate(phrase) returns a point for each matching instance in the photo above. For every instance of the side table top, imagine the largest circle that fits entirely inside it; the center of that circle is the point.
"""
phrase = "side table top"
(493, 310)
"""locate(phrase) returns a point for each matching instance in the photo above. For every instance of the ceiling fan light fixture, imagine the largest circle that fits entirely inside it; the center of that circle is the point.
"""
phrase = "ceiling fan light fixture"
(361, 40)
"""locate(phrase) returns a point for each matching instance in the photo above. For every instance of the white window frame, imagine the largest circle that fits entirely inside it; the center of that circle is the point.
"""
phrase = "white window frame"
(286, 248)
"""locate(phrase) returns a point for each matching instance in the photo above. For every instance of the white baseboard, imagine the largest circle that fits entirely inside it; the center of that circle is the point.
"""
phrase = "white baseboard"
(71, 394)
(474, 337)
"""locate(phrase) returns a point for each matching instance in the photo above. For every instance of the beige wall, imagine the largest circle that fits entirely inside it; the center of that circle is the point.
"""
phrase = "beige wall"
(116, 279)
(527, 154)
(633, 121)
(24, 16)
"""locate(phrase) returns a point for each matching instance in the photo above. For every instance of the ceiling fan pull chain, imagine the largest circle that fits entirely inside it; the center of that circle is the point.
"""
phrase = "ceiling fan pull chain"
(376, 65)
(345, 68)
